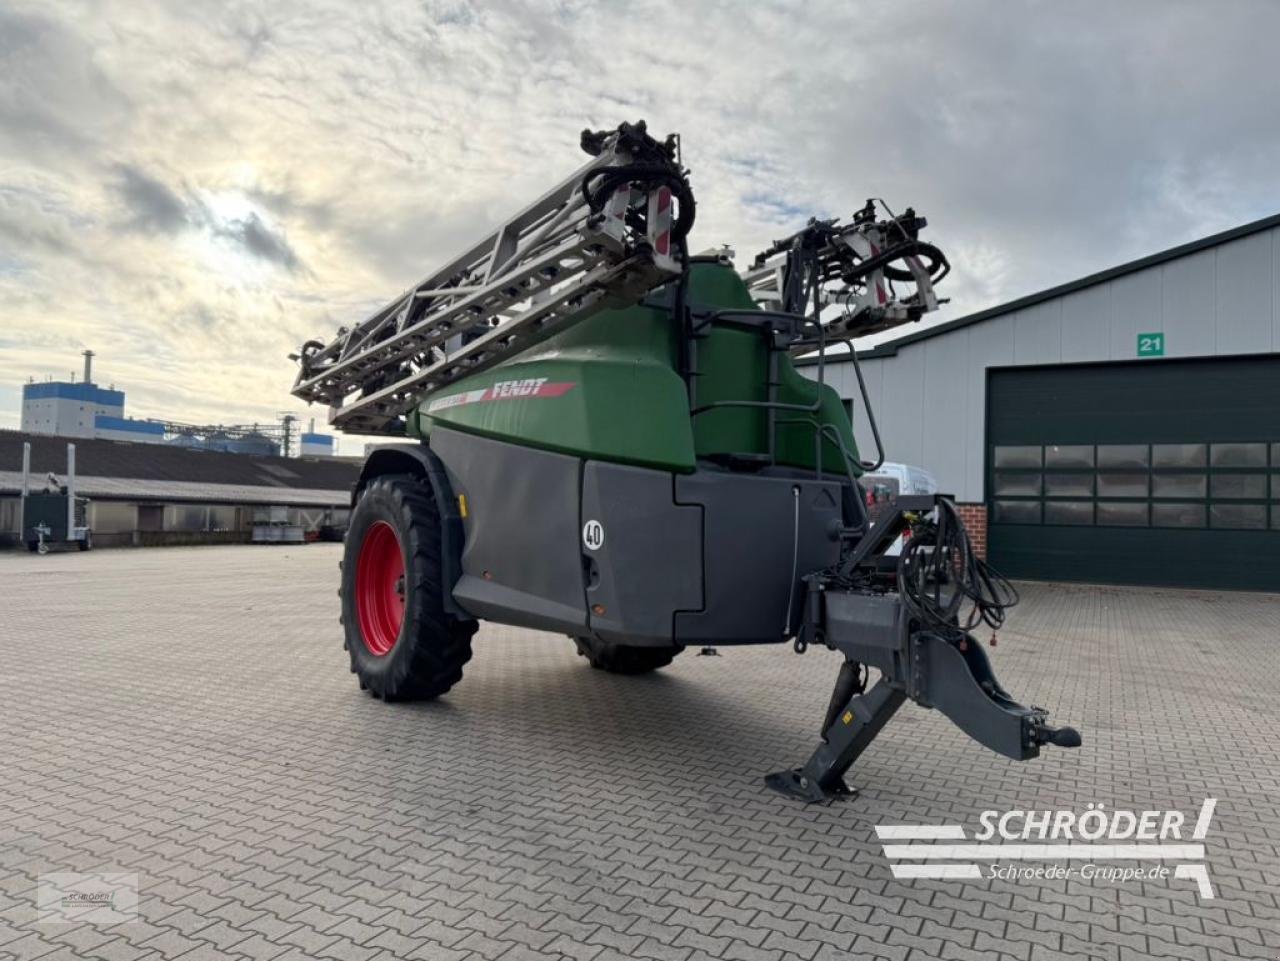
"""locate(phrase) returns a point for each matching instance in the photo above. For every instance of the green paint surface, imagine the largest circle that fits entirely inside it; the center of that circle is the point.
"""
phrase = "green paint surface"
(628, 402)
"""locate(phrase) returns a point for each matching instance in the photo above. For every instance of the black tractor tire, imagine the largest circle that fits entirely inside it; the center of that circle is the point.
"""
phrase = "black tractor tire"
(33, 546)
(624, 658)
(421, 657)
(86, 544)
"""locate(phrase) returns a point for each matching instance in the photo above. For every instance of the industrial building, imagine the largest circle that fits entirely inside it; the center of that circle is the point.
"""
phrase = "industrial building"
(66, 408)
(147, 494)
(1123, 428)
(312, 444)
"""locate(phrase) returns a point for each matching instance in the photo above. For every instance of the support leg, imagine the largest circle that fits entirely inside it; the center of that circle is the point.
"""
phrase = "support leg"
(850, 732)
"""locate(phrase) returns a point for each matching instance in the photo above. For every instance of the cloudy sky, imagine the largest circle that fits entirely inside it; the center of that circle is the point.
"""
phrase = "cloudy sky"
(194, 189)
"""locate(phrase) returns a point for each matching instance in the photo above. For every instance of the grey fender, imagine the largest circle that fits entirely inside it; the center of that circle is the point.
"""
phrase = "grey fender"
(420, 461)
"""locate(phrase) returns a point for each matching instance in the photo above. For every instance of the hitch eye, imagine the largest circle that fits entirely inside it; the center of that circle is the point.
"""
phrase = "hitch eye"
(1059, 736)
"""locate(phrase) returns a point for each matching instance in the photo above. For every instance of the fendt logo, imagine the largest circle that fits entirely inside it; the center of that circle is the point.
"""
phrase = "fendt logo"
(1008, 839)
(517, 388)
(503, 390)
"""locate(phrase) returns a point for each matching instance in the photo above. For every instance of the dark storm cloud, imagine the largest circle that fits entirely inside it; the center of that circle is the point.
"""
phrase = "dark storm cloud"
(258, 239)
(152, 205)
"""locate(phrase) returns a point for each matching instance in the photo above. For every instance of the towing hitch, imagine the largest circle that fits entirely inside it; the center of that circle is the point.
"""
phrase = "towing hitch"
(920, 655)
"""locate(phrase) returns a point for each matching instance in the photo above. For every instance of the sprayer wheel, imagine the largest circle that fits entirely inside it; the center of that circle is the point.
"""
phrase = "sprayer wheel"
(402, 643)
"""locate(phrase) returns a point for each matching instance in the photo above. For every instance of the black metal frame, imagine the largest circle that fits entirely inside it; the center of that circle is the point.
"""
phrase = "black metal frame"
(873, 629)
(783, 332)
(780, 330)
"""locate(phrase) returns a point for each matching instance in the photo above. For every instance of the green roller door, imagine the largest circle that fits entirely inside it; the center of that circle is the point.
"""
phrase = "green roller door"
(1155, 472)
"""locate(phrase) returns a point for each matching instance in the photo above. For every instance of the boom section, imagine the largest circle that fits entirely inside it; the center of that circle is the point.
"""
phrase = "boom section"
(603, 237)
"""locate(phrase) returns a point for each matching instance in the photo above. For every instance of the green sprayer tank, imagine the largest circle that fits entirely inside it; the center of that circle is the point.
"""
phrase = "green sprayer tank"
(611, 389)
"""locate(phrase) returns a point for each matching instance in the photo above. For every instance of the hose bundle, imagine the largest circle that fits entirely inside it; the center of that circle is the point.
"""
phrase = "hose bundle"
(931, 258)
(599, 185)
(653, 164)
(938, 572)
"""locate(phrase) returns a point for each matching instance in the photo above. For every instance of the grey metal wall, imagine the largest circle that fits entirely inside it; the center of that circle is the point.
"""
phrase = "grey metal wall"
(930, 396)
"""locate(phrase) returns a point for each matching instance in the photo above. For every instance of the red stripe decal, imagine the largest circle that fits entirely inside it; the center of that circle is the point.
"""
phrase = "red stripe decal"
(504, 390)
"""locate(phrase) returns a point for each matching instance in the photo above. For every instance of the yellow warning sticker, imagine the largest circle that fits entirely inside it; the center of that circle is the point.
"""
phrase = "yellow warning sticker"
(848, 717)
(462, 504)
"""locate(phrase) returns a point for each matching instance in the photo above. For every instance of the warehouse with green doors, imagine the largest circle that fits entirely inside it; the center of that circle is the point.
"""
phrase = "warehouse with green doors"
(1144, 473)
(1122, 428)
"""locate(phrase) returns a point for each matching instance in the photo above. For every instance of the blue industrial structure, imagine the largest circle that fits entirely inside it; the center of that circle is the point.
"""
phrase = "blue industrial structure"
(66, 408)
(316, 445)
(154, 429)
(65, 390)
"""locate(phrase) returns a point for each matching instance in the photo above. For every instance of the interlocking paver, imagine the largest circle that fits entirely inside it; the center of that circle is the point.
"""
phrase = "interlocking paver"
(171, 944)
(191, 719)
(573, 949)
(259, 948)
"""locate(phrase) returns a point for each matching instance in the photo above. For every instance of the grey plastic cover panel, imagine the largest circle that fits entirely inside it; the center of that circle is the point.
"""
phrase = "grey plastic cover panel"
(644, 563)
(750, 532)
(520, 561)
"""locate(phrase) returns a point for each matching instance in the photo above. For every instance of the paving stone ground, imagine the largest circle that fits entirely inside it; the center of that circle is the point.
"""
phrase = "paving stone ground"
(187, 715)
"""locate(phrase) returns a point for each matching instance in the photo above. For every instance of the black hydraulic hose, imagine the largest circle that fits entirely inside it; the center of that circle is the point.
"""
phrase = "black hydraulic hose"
(680, 311)
(599, 184)
(938, 571)
(937, 266)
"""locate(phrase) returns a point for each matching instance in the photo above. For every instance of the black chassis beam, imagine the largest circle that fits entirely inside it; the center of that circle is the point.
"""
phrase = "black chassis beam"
(950, 673)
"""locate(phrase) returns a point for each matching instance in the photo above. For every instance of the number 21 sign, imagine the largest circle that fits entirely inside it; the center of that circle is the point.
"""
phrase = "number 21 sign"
(1151, 345)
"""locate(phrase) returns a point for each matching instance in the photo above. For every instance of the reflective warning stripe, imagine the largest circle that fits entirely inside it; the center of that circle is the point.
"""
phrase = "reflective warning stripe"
(878, 279)
(662, 222)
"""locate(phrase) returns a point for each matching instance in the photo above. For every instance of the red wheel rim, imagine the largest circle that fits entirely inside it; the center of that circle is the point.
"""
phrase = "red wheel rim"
(380, 588)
